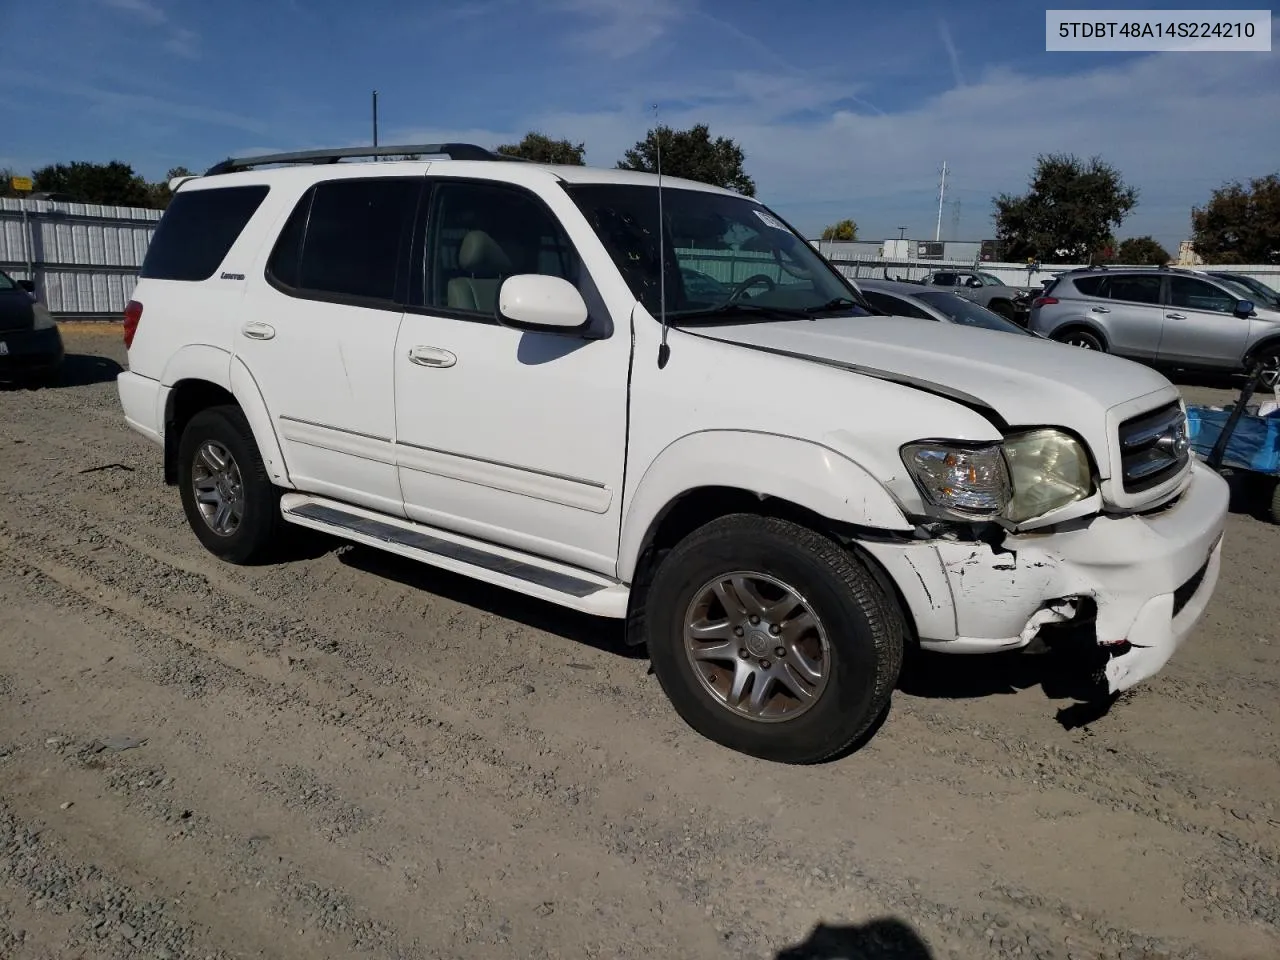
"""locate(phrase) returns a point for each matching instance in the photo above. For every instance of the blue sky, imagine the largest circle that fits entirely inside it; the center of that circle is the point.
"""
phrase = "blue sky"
(844, 109)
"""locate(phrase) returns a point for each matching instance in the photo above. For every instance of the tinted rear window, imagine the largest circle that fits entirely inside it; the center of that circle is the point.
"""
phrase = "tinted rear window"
(197, 230)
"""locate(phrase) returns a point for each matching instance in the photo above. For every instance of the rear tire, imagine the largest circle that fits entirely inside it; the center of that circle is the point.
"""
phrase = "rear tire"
(230, 502)
(1275, 503)
(815, 670)
(1082, 339)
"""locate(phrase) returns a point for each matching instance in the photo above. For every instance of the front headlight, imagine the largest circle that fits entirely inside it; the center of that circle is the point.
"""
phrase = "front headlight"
(42, 319)
(1049, 469)
(1027, 476)
(966, 482)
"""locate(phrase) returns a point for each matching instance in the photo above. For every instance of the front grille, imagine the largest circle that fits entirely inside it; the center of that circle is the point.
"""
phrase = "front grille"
(1154, 447)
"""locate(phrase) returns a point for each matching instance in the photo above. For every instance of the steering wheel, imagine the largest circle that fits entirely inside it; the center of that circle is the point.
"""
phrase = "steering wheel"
(750, 282)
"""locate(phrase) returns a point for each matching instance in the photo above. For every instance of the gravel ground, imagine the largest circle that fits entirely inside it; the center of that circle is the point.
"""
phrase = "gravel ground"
(348, 755)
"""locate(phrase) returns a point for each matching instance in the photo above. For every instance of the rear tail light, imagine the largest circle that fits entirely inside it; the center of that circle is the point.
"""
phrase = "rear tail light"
(132, 316)
(1044, 301)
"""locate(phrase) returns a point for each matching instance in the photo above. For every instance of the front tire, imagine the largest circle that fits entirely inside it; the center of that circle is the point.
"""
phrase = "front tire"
(230, 502)
(773, 640)
(1082, 339)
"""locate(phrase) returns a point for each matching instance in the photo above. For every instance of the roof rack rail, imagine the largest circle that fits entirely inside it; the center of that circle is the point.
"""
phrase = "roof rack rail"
(454, 151)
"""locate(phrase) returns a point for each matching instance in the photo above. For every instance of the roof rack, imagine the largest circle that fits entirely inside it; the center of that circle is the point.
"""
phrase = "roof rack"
(454, 151)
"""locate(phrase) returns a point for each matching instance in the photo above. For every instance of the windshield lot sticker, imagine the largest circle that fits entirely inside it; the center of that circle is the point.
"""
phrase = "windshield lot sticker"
(769, 221)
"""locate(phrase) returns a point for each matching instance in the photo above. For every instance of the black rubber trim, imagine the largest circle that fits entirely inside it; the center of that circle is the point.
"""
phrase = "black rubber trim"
(552, 580)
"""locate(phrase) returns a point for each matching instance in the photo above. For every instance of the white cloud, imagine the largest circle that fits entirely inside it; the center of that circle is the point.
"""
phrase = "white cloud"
(620, 28)
(142, 9)
(1174, 125)
(180, 41)
(944, 33)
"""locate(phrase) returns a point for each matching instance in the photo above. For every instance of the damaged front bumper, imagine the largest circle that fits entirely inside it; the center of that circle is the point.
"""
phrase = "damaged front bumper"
(1149, 577)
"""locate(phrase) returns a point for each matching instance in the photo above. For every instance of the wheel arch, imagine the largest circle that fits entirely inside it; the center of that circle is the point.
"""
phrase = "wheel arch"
(704, 476)
(1074, 324)
(204, 381)
(1268, 344)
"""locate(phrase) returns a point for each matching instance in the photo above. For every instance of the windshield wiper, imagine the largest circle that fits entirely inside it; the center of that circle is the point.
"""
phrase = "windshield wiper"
(737, 308)
(839, 303)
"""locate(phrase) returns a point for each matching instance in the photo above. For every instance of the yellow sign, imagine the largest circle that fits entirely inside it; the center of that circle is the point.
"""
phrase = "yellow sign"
(22, 183)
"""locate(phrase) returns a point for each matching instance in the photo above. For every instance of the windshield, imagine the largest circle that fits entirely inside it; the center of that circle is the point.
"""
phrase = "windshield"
(991, 280)
(1256, 289)
(968, 313)
(725, 256)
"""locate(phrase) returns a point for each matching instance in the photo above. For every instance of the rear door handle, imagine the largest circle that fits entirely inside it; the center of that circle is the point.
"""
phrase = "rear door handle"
(258, 331)
(1101, 310)
(432, 357)
(1175, 316)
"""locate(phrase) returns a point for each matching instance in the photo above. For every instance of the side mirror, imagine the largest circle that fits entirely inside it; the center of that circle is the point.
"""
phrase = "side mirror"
(1244, 308)
(27, 285)
(531, 301)
(973, 282)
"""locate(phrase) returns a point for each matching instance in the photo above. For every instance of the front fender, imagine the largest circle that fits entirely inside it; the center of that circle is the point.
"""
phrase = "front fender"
(801, 472)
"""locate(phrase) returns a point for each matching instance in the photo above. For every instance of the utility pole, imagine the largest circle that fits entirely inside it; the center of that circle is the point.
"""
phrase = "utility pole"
(902, 233)
(942, 192)
(955, 219)
(375, 118)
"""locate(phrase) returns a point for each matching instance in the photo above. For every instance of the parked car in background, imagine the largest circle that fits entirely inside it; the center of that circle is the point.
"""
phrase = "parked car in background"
(1261, 294)
(30, 344)
(1168, 317)
(925, 303)
(986, 289)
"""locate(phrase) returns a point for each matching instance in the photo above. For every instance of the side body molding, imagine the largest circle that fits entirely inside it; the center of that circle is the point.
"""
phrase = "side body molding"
(807, 474)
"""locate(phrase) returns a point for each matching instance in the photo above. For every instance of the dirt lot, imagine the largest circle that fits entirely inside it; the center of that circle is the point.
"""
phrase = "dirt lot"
(350, 755)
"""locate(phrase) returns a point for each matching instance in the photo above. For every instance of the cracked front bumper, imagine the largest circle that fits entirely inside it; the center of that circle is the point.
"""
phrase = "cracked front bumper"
(1150, 577)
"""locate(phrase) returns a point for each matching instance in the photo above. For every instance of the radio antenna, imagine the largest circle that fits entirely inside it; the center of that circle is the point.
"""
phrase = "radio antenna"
(664, 351)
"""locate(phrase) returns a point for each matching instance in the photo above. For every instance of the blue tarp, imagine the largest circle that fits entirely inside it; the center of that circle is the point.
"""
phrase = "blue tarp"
(1254, 443)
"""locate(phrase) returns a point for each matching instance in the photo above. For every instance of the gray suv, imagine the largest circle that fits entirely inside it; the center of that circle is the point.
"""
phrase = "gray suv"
(1175, 318)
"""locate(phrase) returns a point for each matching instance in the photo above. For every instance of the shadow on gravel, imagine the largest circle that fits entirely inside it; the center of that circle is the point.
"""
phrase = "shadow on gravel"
(1251, 494)
(78, 370)
(1070, 669)
(602, 634)
(84, 370)
(886, 939)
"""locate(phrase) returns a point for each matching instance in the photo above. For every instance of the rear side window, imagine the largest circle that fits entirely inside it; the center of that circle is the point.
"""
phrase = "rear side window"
(344, 238)
(1092, 286)
(197, 230)
(1136, 289)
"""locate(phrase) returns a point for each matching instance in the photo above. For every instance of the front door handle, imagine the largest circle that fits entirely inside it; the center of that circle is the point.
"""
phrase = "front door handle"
(1175, 316)
(432, 357)
(258, 331)
(1101, 310)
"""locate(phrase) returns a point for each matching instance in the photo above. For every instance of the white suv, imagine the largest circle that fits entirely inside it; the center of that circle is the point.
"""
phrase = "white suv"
(498, 368)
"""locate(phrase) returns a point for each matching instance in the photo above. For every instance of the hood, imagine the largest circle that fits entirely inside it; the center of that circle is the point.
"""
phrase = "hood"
(1021, 381)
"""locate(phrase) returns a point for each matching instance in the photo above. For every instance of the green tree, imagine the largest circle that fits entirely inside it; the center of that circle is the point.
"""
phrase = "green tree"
(1068, 213)
(1239, 224)
(160, 193)
(1141, 252)
(110, 183)
(540, 148)
(845, 230)
(693, 155)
